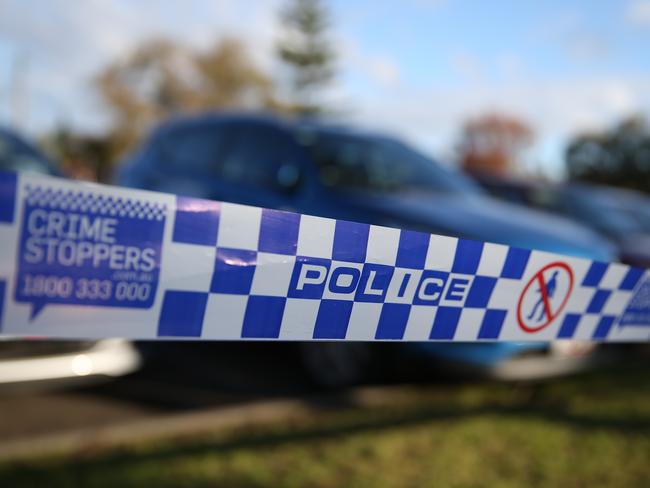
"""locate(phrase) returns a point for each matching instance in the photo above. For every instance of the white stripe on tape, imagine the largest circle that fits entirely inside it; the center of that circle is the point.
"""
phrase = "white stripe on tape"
(90, 261)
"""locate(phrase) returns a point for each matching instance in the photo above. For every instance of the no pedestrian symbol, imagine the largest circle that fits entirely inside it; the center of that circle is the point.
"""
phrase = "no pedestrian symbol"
(544, 296)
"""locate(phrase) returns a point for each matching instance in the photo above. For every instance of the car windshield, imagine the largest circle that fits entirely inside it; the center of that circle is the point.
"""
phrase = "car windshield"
(378, 164)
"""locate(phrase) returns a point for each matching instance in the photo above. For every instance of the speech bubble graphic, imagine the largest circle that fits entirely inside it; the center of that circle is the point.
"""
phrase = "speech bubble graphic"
(37, 307)
(80, 248)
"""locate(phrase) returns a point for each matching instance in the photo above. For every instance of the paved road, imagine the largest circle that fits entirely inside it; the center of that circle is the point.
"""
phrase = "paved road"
(177, 378)
(183, 379)
(186, 378)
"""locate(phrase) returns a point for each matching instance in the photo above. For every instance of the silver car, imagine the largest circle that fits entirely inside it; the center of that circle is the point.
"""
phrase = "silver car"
(46, 362)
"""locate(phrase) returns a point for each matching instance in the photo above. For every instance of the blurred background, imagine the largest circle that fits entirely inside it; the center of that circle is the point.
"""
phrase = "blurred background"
(538, 81)
(518, 123)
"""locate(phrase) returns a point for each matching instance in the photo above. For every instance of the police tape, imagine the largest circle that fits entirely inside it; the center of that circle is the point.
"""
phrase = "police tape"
(80, 260)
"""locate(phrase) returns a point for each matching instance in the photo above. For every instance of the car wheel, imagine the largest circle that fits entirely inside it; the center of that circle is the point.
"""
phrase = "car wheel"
(336, 364)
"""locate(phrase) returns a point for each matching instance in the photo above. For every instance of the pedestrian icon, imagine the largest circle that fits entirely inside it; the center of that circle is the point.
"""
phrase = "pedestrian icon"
(550, 290)
(544, 297)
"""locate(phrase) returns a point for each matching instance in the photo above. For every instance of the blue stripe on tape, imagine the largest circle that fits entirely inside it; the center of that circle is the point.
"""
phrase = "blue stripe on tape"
(468, 256)
(373, 283)
(412, 249)
(2, 301)
(7, 196)
(603, 327)
(632, 277)
(279, 232)
(182, 314)
(598, 301)
(569, 326)
(263, 317)
(392, 321)
(595, 274)
(332, 319)
(233, 271)
(492, 324)
(197, 221)
(308, 277)
(515, 264)
(445, 323)
(480, 292)
(350, 241)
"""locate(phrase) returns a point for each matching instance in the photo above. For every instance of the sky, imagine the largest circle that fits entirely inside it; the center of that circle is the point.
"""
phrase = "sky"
(416, 68)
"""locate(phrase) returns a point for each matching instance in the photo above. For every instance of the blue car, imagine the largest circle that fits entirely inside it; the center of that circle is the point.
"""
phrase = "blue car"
(623, 216)
(341, 173)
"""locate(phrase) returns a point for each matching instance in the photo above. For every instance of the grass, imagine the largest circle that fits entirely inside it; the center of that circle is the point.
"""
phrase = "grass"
(590, 430)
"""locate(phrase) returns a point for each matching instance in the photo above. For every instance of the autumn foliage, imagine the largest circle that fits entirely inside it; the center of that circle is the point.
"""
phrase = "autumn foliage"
(493, 143)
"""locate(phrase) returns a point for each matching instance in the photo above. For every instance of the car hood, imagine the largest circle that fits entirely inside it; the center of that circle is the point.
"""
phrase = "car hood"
(484, 218)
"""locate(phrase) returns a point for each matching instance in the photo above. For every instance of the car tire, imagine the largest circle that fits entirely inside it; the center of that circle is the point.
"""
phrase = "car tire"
(336, 364)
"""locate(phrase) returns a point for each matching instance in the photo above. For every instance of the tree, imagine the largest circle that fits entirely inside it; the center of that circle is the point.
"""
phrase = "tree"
(81, 156)
(149, 84)
(161, 78)
(619, 157)
(228, 79)
(307, 52)
(493, 143)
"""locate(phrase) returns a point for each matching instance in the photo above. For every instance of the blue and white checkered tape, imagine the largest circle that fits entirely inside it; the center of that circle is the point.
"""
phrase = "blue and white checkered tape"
(90, 261)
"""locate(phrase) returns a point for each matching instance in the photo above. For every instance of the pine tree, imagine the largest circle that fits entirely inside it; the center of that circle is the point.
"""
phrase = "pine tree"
(307, 51)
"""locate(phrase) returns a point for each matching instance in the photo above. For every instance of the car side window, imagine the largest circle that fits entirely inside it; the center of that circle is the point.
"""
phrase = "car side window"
(193, 149)
(255, 155)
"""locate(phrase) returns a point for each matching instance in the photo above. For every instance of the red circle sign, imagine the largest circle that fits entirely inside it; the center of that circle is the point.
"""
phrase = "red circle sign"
(545, 290)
